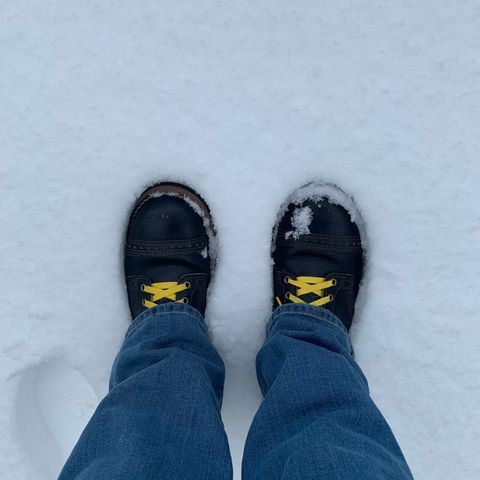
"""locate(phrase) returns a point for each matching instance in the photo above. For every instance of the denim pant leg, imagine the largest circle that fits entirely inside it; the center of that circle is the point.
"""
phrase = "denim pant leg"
(317, 420)
(161, 417)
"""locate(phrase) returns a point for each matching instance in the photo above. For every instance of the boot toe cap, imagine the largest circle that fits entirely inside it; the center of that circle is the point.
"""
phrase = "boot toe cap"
(320, 217)
(165, 217)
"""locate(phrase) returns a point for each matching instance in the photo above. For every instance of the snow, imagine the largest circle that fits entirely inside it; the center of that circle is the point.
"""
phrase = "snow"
(246, 101)
(301, 220)
(54, 405)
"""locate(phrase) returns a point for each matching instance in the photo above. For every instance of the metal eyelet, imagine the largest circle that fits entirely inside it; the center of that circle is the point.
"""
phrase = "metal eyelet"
(184, 300)
(330, 297)
(286, 279)
(142, 287)
(143, 302)
(288, 295)
(187, 285)
(334, 282)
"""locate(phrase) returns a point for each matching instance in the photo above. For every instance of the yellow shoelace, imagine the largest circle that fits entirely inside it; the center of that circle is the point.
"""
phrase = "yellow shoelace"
(162, 290)
(306, 285)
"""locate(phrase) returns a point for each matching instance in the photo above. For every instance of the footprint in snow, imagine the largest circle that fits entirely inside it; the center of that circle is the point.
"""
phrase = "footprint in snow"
(54, 404)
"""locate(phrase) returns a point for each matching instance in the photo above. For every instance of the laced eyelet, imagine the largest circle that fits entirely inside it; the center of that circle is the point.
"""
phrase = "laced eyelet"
(330, 297)
(187, 284)
(184, 300)
(288, 295)
(143, 302)
(142, 287)
(286, 279)
(334, 282)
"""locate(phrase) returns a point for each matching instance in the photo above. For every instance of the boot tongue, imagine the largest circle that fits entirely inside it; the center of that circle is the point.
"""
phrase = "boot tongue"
(312, 297)
(309, 297)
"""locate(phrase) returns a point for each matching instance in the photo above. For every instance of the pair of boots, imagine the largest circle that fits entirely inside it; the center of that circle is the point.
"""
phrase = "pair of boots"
(317, 250)
(161, 418)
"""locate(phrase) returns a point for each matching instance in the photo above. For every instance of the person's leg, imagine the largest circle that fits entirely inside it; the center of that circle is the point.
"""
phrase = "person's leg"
(161, 417)
(317, 420)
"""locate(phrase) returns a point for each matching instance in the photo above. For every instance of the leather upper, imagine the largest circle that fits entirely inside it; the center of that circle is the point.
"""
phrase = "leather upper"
(167, 241)
(327, 246)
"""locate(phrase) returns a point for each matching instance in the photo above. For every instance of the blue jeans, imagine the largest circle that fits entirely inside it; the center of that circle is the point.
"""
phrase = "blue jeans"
(161, 417)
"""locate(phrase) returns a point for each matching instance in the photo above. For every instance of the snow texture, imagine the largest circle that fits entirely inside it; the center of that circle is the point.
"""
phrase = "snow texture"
(53, 407)
(301, 220)
(246, 101)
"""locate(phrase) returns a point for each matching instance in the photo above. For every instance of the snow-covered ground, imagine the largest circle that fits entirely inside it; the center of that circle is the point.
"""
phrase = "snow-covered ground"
(245, 100)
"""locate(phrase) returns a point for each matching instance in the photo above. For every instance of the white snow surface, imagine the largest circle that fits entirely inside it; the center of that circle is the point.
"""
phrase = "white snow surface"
(246, 101)
(301, 220)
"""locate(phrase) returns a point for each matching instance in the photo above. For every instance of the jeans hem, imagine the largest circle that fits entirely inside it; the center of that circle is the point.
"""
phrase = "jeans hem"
(165, 309)
(318, 313)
